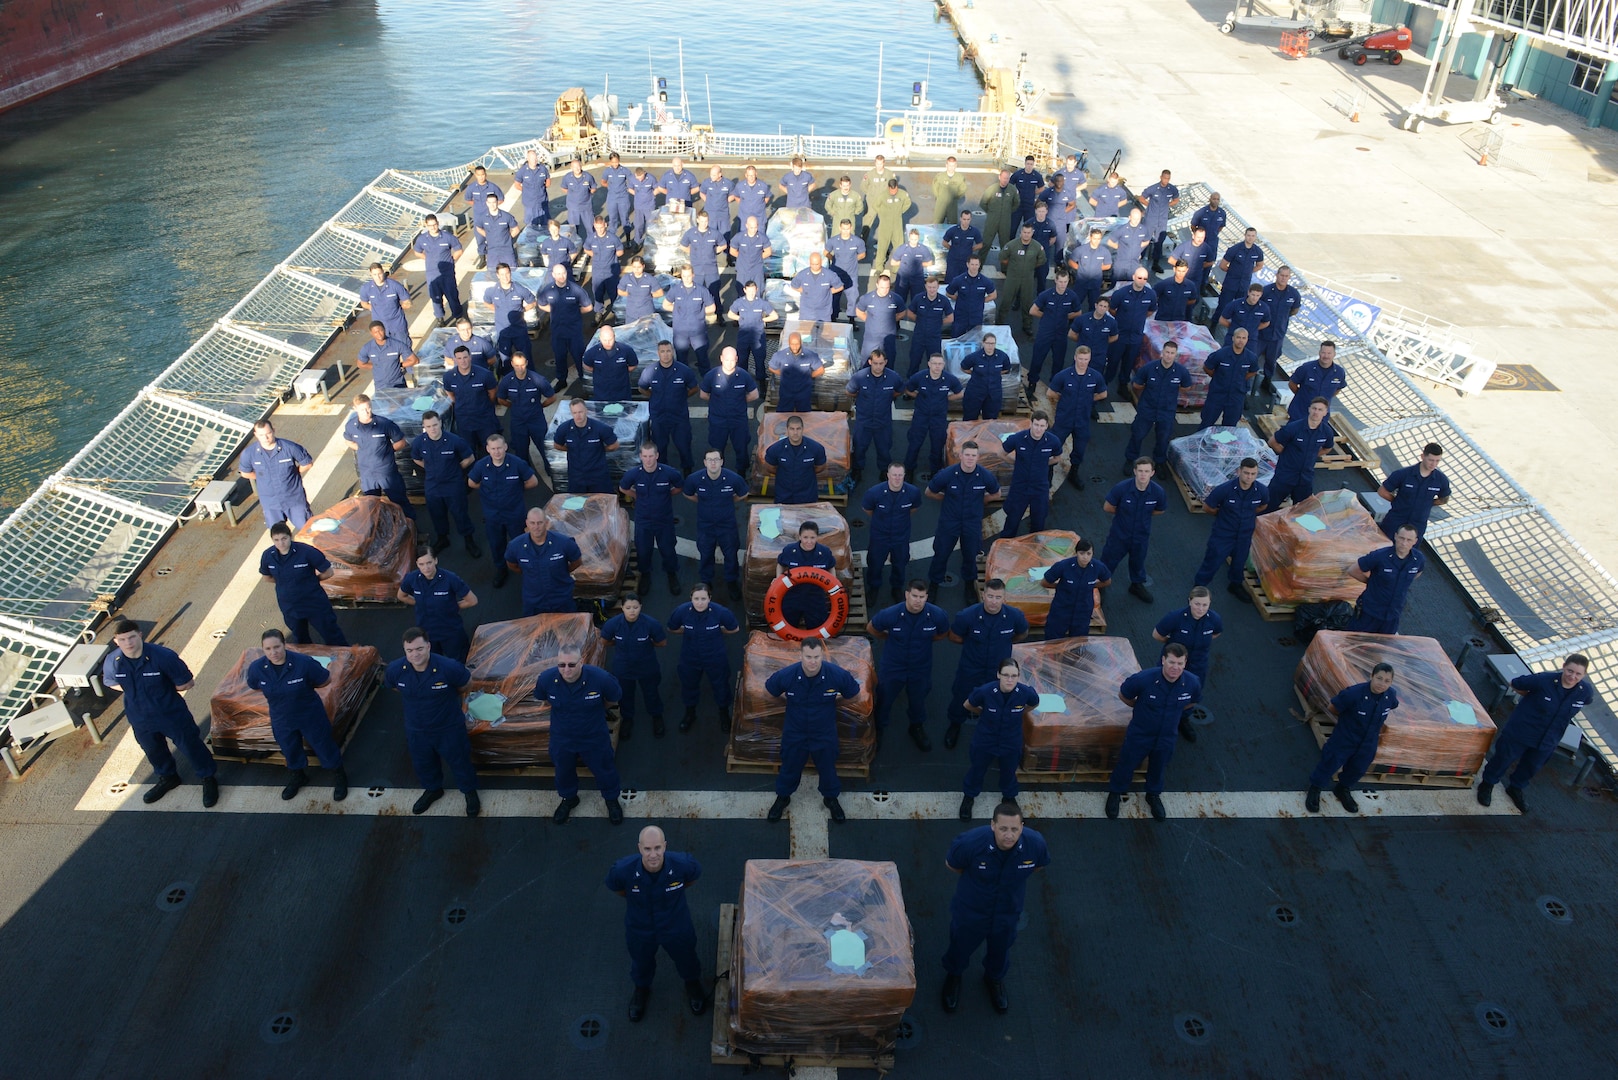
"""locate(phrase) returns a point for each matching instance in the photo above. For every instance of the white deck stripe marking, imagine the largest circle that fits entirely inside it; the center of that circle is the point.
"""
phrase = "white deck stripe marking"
(810, 831)
(126, 757)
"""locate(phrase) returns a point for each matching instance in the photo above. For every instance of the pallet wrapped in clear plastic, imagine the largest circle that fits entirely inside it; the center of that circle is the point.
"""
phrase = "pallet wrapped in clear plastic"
(371, 545)
(1209, 457)
(1196, 345)
(834, 343)
(1021, 562)
(822, 961)
(405, 405)
(1439, 726)
(829, 429)
(785, 302)
(956, 350)
(664, 231)
(755, 732)
(795, 233)
(1303, 554)
(771, 528)
(508, 728)
(241, 717)
(1081, 721)
(642, 335)
(990, 435)
(630, 422)
(600, 526)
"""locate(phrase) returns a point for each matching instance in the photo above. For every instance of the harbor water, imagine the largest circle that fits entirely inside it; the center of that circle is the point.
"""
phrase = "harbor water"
(140, 205)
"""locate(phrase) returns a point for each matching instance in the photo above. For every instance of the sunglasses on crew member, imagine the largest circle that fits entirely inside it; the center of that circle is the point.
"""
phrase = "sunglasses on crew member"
(561, 663)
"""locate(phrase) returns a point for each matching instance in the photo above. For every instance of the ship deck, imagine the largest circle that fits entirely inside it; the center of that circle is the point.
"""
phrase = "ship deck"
(1241, 937)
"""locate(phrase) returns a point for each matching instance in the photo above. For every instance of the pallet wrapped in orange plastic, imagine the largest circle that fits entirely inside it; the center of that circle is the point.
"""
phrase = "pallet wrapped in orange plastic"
(601, 529)
(755, 734)
(1439, 726)
(371, 545)
(1196, 345)
(241, 716)
(829, 429)
(507, 727)
(1085, 728)
(1011, 560)
(771, 528)
(1303, 554)
(823, 960)
(990, 435)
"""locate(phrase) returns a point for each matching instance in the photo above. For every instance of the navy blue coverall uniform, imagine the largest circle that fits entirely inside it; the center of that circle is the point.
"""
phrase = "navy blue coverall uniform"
(635, 663)
(985, 641)
(889, 513)
(1413, 496)
(727, 412)
(547, 574)
(1535, 728)
(796, 389)
(566, 303)
(434, 724)
(579, 728)
(1382, 604)
(1232, 534)
(1057, 309)
(906, 662)
(438, 254)
(806, 607)
(654, 513)
(1312, 381)
(500, 493)
(526, 411)
(1131, 307)
(296, 712)
(1154, 727)
(873, 413)
(1073, 601)
(688, 305)
(702, 652)
(156, 712)
(1352, 743)
(795, 466)
(1230, 372)
(989, 897)
(1283, 304)
(379, 471)
(961, 519)
(657, 915)
(669, 417)
(998, 737)
(1030, 490)
(1295, 466)
(810, 729)
(438, 610)
(611, 371)
(1195, 634)
(444, 481)
(929, 421)
(985, 392)
(750, 333)
(1131, 531)
(716, 520)
(277, 480)
(1157, 396)
(511, 327)
(1076, 396)
(927, 335)
(298, 592)
(969, 293)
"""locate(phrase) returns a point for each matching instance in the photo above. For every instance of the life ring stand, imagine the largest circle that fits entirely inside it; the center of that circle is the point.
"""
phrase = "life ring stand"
(775, 598)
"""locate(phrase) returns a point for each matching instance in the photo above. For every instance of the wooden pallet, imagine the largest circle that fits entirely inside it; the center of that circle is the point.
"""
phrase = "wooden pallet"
(1072, 776)
(1348, 450)
(734, 764)
(275, 757)
(1268, 610)
(722, 1052)
(1192, 502)
(1323, 723)
(829, 492)
(549, 770)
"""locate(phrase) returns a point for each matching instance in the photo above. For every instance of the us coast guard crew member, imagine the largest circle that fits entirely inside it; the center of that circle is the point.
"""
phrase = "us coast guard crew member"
(387, 301)
(1133, 504)
(963, 489)
(1236, 505)
(387, 357)
(1322, 377)
(374, 440)
(999, 707)
(1196, 627)
(443, 457)
(797, 461)
(1549, 702)
(655, 881)
(889, 505)
(1074, 581)
(716, 490)
(635, 638)
(438, 251)
(1298, 445)
(986, 632)
(297, 570)
(586, 441)
(651, 487)
(1361, 710)
(1388, 574)
(430, 688)
(152, 677)
(277, 467)
(500, 479)
(546, 562)
(908, 631)
(578, 694)
(1159, 696)
(995, 862)
(703, 626)
(290, 683)
(1413, 491)
(1034, 452)
(811, 688)
(439, 596)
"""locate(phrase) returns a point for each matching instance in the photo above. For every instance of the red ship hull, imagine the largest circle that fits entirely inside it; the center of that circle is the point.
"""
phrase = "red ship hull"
(47, 44)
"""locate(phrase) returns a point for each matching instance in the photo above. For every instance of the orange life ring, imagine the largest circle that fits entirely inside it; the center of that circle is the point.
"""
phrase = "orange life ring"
(836, 595)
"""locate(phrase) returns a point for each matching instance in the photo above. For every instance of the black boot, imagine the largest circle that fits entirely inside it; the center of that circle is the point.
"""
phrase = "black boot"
(918, 735)
(474, 805)
(472, 548)
(674, 584)
(1311, 801)
(425, 802)
(952, 993)
(1485, 794)
(689, 718)
(778, 807)
(724, 719)
(1239, 592)
(997, 995)
(295, 783)
(952, 735)
(1155, 801)
(440, 544)
(658, 727)
(164, 785)
(696, 999)
(210, 791)
(1114, 801)
(564, 810)
(1346, 797)
(836, 808)
(1515, 794)
(966, 807)
(637, 1003)
(644, 585)
(339, 785)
